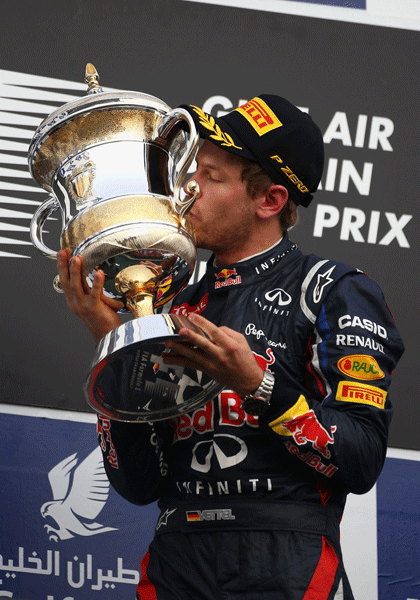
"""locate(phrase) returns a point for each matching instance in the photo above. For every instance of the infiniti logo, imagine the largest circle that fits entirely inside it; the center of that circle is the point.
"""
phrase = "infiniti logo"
(280, 295)
(222, 448)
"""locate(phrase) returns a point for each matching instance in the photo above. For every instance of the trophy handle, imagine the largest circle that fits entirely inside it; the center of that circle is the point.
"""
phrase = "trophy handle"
(35, 230)
(164, 128)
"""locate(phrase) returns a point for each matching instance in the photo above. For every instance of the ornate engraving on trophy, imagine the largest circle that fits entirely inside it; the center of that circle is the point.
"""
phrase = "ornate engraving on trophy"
(80, 181)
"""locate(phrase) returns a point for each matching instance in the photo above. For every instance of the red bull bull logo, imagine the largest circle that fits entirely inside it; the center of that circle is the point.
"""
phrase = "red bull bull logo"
(306, 428)
(225, 273)
(163, 288)
(265, 361)
(227, 277)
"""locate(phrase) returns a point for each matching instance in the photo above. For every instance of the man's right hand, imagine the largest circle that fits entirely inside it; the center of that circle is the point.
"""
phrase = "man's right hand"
(97, 311)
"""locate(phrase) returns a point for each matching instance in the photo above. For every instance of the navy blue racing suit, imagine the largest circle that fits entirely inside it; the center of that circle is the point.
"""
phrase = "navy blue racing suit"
(251, 507)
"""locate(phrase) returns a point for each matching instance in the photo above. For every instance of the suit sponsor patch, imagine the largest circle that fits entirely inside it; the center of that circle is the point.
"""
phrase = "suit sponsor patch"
(360, 366)
(350, 391)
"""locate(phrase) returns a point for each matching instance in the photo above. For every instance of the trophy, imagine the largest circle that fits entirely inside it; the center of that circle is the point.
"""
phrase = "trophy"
(113, 164)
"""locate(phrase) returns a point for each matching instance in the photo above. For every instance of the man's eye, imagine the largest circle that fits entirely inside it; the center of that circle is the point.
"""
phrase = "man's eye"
(210, 178)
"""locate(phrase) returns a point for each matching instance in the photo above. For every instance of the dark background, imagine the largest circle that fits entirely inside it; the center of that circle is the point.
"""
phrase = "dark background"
(188, 52)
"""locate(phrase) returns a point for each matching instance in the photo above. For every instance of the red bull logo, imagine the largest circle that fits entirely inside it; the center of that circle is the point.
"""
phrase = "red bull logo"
(306, 428)
(103, 431)
(225, 273)
(228, 277)
(163, 288)
(263, 361)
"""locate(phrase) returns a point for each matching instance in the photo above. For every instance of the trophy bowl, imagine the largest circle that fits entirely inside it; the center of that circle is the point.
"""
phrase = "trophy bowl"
(113, 164)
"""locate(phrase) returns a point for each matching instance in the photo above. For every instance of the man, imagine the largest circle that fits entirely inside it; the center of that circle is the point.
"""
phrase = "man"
(252, 486)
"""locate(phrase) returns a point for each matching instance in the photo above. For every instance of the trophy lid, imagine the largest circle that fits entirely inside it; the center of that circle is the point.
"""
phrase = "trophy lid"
(68, 114)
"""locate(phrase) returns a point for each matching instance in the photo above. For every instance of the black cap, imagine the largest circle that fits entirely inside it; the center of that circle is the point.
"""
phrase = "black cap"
(271, 131)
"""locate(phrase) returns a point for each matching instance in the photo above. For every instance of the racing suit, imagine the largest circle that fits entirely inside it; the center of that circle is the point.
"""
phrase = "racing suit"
(251, 506)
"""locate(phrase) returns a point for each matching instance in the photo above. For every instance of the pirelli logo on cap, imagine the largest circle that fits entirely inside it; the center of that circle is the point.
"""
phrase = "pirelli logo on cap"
(260, 116)
(349, 391)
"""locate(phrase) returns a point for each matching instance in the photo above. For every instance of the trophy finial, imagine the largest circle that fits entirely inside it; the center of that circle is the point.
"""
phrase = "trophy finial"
(92, 79)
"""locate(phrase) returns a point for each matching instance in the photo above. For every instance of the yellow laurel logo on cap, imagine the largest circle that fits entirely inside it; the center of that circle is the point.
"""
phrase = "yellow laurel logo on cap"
(260, 116)
(209, 123)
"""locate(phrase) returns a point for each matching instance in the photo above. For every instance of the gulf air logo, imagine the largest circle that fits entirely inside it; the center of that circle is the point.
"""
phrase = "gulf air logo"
(360, 366)
(80, 492)
(260, 116)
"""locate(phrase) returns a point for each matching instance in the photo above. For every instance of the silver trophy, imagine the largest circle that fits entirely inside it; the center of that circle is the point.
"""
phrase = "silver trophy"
(113, 164)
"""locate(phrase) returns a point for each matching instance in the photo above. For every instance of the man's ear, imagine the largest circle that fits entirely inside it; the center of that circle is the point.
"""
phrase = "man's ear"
(272, 201)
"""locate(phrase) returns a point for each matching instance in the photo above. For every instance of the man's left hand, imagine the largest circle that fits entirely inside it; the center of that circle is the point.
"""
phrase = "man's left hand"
(224, 355)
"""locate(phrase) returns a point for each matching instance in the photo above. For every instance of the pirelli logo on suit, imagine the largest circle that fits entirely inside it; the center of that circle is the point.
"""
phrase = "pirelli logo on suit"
(351, 391)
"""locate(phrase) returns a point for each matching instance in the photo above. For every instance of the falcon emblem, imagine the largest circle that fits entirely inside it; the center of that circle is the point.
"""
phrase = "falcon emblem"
(79, 494)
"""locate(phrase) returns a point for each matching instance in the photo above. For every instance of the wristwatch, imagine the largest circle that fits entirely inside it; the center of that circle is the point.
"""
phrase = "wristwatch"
(257, 403)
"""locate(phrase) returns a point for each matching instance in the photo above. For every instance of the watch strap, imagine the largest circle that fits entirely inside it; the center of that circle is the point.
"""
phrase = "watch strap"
(257, 403)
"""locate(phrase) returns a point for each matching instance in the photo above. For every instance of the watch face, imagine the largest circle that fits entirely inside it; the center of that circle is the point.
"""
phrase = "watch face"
(254, 406)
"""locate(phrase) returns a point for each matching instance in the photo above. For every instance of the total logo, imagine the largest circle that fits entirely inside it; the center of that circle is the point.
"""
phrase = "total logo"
(185, 309)
(227, 277)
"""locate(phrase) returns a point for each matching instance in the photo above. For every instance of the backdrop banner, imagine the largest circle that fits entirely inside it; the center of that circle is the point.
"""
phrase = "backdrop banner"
(359, 83)
(67, 535)
(359, 92)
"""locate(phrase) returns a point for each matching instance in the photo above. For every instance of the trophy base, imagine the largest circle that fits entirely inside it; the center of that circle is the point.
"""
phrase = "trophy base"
(129, 381)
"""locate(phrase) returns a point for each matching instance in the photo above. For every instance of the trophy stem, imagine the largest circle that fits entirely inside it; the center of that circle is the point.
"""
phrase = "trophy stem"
(140, 304)
(138, 283)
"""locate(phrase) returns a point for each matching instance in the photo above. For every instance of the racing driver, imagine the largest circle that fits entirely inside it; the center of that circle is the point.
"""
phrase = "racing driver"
(252, 486)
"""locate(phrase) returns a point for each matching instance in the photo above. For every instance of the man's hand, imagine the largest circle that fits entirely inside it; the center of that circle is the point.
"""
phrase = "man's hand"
(98, 312)
(224, 355)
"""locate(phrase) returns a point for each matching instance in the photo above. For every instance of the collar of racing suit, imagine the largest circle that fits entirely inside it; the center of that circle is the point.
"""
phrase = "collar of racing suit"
(247, 270)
